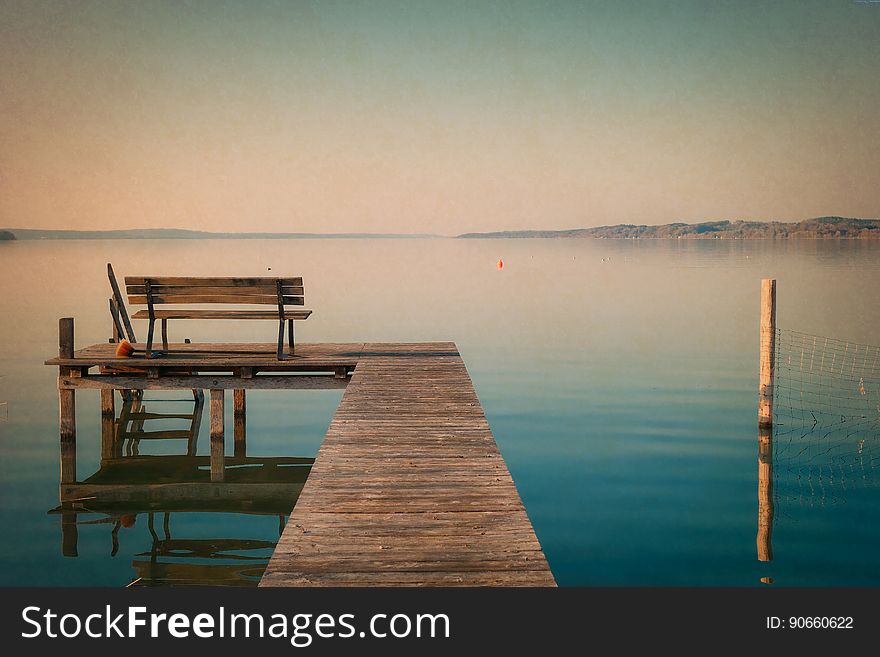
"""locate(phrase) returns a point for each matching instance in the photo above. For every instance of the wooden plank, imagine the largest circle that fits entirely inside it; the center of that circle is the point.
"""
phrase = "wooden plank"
(256, 290)
(195, 354)
(213, 281)
(222, 314)
(216, 298)
(259, 382)
(408, 488)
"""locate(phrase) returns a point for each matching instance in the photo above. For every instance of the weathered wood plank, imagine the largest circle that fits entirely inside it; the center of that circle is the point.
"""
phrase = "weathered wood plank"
(408, 488)
(258, 290)
(168, 297)
(213, 281)
(183, 313)
(262, 382)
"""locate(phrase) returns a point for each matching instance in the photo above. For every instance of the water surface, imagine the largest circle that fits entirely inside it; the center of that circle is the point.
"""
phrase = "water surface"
(619, 379)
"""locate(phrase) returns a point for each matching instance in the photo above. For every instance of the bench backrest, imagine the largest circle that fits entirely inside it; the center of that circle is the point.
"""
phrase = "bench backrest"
(262, 290)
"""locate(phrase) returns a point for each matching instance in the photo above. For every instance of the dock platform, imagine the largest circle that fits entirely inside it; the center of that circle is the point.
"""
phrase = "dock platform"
(408, 487)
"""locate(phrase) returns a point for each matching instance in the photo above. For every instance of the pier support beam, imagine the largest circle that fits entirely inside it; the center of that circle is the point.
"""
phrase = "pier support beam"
(239, 430)
(108, 424)
(217, 435)
(66, 405)
(767, 352)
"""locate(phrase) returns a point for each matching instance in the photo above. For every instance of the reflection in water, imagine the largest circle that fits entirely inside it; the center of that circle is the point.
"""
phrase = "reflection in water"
(765, 494)
(133, 491)
(824, 443)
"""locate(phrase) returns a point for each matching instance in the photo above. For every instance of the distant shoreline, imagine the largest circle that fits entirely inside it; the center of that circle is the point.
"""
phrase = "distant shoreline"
(819, 228)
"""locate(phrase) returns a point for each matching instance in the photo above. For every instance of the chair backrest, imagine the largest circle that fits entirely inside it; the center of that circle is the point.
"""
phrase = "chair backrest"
(175, 290)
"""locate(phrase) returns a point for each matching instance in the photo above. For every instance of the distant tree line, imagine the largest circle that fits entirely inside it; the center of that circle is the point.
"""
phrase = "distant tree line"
(823, 227)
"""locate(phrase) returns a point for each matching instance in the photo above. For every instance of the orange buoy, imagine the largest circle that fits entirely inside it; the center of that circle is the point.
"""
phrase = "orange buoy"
(500, 264)
(124, 350)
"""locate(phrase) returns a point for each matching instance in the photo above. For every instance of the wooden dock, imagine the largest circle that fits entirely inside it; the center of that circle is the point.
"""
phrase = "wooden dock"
(408, 487)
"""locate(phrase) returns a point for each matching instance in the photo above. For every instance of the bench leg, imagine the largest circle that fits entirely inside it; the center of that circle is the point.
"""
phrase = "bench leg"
(165, 334)
(290, 335)
(281, 340)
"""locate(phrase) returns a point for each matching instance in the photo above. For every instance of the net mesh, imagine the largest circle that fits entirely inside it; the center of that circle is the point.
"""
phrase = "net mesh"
(826, 418)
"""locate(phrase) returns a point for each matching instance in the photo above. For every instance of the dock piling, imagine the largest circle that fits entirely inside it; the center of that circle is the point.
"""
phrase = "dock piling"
(108, 423)
(217, 435)
(239, 430)
(66, 405)
(767, 352)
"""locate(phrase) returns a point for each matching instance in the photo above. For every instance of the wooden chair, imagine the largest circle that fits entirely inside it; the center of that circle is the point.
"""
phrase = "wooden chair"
(163, 291)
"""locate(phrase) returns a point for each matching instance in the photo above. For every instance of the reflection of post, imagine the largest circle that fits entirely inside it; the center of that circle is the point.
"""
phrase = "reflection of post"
(217, 447)
(108, 424)
(767, 352)
(66, 405)
(239, 431)
(69, 534)
(765, 494)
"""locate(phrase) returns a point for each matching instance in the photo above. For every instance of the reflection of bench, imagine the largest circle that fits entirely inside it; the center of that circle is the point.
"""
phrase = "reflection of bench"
(164, 291)
(134, 415)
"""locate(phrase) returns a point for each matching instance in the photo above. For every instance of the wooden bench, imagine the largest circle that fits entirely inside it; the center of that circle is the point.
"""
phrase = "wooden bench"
(166, 290)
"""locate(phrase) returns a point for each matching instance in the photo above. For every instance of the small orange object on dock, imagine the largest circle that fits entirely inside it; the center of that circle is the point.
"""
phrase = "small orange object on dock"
(124, 350)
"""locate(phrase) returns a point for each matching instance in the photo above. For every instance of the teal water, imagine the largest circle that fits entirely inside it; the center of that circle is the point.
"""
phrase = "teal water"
(619, 379)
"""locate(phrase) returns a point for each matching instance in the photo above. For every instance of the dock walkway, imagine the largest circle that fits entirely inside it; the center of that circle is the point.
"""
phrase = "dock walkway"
(408, 487)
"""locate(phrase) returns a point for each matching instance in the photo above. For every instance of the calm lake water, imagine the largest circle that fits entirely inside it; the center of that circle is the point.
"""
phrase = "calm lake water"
(619, 379)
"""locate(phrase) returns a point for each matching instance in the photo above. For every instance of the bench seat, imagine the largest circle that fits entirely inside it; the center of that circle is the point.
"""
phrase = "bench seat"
(222, 314)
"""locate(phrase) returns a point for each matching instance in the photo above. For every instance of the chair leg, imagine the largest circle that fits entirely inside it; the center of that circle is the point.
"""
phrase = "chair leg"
(150, 338)
(164, 334)
(290, 335)
(281, 340)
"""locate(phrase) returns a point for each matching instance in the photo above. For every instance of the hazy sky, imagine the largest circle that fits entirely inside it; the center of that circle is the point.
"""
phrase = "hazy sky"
(436, 116)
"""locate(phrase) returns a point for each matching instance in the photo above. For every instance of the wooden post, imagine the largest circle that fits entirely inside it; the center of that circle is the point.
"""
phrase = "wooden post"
(765, 494)
(767, 352)
(66, 405)
(108, 423)
(68, 461)
(217, 445)
(239, 432)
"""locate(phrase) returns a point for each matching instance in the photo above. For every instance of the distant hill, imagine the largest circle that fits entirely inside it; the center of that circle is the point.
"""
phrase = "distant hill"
(822, 227)
(180, 234)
